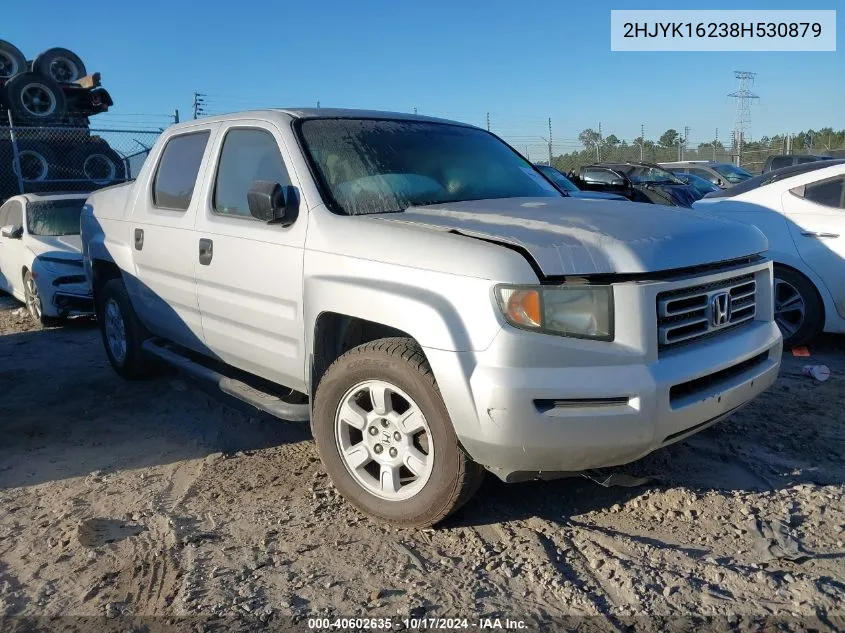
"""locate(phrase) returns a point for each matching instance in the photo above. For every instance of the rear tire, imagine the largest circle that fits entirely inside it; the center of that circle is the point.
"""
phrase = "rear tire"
(122, 332)
(394, 457)
(97, 163)
(799, 312)
(35, 98)
(60, 64)
(12, 60)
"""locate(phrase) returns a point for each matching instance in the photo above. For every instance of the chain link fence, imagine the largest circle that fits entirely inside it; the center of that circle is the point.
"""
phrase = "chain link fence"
(54, 159)
(572, 155)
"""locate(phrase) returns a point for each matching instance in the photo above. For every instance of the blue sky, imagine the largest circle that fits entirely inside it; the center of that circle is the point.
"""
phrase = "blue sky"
(522, 62)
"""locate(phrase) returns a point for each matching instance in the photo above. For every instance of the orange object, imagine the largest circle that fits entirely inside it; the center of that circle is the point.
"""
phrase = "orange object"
(524, 307)
(800, 351)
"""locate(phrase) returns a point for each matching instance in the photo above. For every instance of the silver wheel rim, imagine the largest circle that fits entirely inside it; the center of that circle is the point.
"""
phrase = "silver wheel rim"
(94, 164)
(8, 66)
(33, 166)
(38, 100)
(384, 440)
(115, 332)
(790, 310)
(33, 301)
(64, 70)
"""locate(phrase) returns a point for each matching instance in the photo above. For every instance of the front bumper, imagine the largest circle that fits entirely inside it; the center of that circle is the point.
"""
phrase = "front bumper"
(64, 291)
(545, 404)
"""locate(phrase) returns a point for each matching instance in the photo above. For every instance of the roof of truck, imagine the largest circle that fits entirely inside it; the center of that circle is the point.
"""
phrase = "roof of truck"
(322, 113)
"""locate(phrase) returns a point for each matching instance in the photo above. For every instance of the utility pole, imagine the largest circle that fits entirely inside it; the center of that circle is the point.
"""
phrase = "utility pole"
(199, 101)
(318, 103)
(488, 121)
(176, 115)
(715, 141)
(550, 141)
(598, 145)
(686, 138)
(642, 140)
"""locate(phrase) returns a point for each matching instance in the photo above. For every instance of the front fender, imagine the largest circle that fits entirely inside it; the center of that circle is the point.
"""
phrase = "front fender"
(457, 317)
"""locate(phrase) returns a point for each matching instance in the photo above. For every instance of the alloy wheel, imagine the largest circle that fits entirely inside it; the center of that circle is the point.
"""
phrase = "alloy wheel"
(790, 310)
(384, 440)
(115, 332)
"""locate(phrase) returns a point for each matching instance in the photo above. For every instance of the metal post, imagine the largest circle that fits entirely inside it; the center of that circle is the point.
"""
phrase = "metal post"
(16, 157)
(642, 141)
(550, 141)
(488, 121)
(176, 116)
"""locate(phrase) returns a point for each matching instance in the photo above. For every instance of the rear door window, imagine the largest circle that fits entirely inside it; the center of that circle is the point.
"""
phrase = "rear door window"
(781, 161)
(829, 193)
(177, 171)
(599, 176)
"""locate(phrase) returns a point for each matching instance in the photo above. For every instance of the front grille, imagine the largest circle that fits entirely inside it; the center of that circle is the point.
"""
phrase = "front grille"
(687, 314)
(697, 385)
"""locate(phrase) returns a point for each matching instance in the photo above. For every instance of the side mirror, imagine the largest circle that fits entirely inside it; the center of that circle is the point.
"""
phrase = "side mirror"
(13, 232)
(618, 182)
(273, 203)
(720, 182)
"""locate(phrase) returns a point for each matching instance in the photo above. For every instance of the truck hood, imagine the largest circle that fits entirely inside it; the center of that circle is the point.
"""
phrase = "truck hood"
(568, 236)
(61, 246)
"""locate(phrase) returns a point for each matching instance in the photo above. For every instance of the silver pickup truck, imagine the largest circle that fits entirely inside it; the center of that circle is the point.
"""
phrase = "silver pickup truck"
(427, 299)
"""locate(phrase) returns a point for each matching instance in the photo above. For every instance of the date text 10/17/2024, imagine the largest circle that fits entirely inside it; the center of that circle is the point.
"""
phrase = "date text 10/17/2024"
(340, 624)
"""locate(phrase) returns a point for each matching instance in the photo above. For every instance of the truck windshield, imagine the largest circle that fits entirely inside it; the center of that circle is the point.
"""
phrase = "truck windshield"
(732, 173)
(383, 166)
(54, 217)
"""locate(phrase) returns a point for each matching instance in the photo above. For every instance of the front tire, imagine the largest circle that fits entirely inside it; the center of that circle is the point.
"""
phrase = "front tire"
(33, 302)
(123, 334)
(385, 437)
(799, 311)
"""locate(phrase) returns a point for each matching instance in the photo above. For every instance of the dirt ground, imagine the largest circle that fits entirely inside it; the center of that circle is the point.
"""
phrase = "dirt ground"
(157, 498)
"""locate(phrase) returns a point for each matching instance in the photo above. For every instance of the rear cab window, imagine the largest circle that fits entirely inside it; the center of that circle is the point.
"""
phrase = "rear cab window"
(177, 170)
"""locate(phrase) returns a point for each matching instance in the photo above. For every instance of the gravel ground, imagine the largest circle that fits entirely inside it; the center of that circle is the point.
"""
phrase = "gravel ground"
(156, 498)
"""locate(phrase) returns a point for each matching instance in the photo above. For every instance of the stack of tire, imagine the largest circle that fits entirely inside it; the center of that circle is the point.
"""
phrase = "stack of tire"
(50, 110)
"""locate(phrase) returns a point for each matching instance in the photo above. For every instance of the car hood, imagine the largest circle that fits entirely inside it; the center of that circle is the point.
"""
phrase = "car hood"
(681, 195)
(61, 246)
(568, 236)
(595, 195)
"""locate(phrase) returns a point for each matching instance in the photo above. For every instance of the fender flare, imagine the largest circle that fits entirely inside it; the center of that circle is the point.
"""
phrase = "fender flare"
(427, 316)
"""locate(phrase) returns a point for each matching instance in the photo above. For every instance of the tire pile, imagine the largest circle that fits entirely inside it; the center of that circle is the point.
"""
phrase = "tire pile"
(50, 99)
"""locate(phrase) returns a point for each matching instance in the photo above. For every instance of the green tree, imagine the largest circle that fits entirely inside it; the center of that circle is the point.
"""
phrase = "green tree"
(670, 138)
(589, 138)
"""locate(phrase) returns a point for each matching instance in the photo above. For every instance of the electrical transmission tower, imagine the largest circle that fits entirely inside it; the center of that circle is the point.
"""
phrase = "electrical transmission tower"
(744, 98)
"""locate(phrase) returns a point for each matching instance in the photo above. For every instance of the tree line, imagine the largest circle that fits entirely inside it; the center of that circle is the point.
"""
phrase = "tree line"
(671, 144)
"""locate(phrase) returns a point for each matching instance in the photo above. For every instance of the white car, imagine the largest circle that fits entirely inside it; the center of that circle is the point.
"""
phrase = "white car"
(801, 210)
(40, 255)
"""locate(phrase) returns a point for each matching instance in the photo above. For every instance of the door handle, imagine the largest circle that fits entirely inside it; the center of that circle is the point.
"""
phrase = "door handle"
(206, 251)
(139, 239)
(817, 234)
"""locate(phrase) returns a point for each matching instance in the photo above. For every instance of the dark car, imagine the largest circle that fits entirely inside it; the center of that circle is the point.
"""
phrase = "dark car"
(640, 182)
(786, 160)
(702, 186)
(568, 188)
(724, 175)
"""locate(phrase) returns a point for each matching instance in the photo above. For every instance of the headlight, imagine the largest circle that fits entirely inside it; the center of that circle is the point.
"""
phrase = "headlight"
(576, 311)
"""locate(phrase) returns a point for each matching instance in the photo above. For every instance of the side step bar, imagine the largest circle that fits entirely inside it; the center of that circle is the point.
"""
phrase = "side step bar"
(238, 389)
